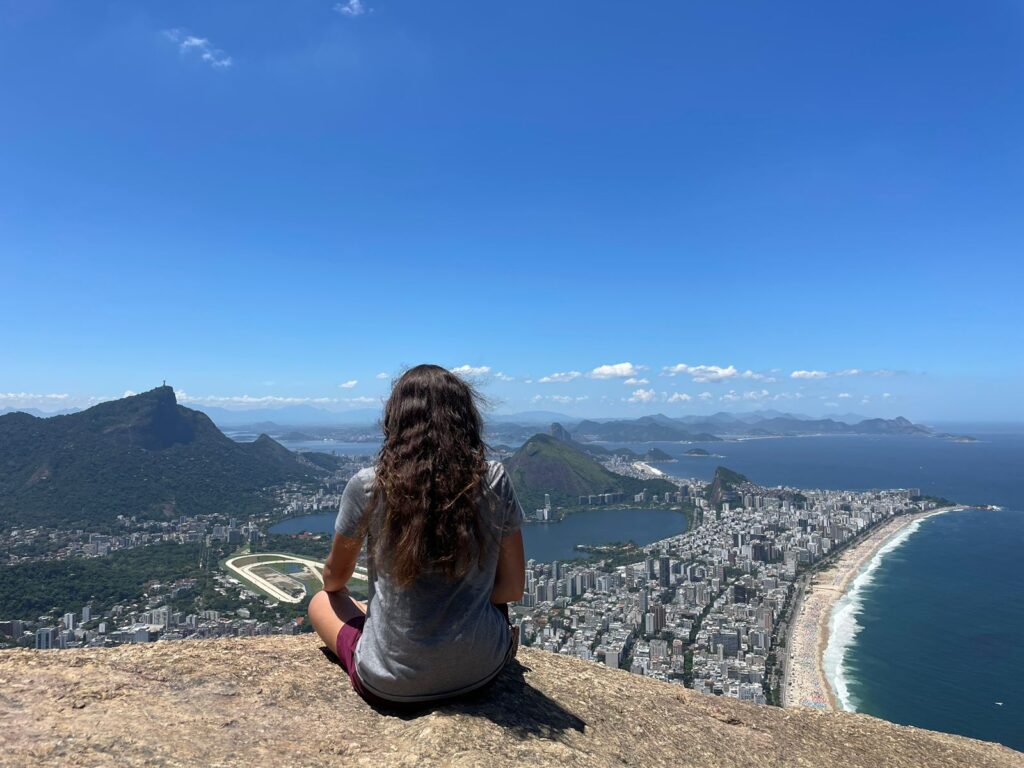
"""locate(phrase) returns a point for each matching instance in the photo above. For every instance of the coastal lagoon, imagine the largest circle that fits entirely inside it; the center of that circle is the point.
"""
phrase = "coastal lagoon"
(555, 541)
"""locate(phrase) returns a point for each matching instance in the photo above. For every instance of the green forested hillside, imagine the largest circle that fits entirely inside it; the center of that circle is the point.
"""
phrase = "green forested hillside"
(143, 455)
(545, 464)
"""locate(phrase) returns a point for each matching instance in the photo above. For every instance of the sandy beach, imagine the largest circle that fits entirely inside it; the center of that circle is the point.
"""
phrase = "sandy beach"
(643, 466)
(805, 683)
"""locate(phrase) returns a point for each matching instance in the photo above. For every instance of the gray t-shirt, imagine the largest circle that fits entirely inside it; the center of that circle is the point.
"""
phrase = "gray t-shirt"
(435, 638)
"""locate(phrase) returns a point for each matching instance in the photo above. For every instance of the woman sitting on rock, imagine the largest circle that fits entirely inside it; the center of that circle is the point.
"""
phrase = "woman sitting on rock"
(444, 553)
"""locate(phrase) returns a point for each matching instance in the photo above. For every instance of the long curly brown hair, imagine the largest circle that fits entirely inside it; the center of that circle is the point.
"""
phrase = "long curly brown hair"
(424, 509)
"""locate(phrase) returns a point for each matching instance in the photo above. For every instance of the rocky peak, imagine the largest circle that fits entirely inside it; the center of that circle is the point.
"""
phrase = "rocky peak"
(283, 701)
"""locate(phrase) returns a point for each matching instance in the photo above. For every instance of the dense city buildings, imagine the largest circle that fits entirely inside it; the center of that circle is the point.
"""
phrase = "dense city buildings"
(703, 608)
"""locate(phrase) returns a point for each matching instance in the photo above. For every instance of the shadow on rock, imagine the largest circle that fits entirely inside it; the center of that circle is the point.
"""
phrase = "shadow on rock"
(510, 702)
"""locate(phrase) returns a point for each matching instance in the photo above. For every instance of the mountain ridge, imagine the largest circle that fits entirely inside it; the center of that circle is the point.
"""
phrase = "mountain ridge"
(142, 455)
(546, 464)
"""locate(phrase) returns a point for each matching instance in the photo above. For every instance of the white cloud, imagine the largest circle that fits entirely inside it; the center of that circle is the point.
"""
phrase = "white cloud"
(32, 400)
(527, 381)
(348, 384)
(562, 399)
(642, 396)
(351, 8)
(382, 376)
(844, 395)
(679, 397)
(634, 382)
(250, 401)
(501, 376)
(730, 396)
(831, 405)
(560, 377)
(886, 395)
(841, 372)
(760, 394)
(362, 400)
(748, 374)
(189, 45)
(705, 396)
(704, 373)
(129, 393)
(808, 375)
(615, 371)
(469, 370)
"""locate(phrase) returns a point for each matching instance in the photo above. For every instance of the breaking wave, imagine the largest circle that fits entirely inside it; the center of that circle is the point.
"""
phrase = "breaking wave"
(843, 627)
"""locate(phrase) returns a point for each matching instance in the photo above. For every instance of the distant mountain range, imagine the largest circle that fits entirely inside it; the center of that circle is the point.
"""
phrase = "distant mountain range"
(723, 425)
(558, 466)
(143, 455)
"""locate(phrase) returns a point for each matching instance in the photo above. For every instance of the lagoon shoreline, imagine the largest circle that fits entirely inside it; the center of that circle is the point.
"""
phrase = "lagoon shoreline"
(806, 683)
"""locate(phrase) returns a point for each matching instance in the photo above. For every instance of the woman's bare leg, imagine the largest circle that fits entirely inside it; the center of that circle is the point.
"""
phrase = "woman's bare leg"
(330, 611)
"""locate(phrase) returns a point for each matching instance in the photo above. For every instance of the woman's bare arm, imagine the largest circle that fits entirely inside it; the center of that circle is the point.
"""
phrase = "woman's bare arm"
(341, 563)
(510, 578)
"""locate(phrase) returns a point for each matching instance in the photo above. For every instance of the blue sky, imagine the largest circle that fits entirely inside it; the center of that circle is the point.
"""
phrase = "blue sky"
(263, 201)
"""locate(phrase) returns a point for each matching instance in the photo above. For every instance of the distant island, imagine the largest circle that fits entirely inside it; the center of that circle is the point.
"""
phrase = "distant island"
(656, 454)
(697, 452)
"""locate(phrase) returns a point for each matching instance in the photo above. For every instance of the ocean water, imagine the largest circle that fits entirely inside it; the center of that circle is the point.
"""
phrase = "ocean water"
(931, 633)
(934, 636)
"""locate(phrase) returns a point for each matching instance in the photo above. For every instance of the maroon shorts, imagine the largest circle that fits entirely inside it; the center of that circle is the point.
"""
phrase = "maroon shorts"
(348, 638)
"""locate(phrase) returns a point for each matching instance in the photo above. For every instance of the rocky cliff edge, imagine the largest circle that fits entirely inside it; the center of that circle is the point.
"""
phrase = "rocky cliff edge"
(282, 701)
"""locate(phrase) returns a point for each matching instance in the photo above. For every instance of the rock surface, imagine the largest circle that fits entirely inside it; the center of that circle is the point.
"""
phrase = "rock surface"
(283, 701)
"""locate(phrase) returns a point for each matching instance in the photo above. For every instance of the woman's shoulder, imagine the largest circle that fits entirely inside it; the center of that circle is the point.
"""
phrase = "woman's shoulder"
(497, 478)
(363, 479)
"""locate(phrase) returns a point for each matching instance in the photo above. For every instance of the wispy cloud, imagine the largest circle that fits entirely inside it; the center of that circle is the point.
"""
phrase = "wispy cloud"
(705, 396)
(704, 373)
(348, 384)
(382, 376)
(471, 370)
(352, 8)
(250, 401)
(615, 371)
(191, 45)
(33, 400)
(643, 396)
(502, 376)
(269, 401)
(361, 400)
(559, 377)
(844, 395)
(841, 373)
(809, 375)
(633, 381)
(561, 399)
(680, 397)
